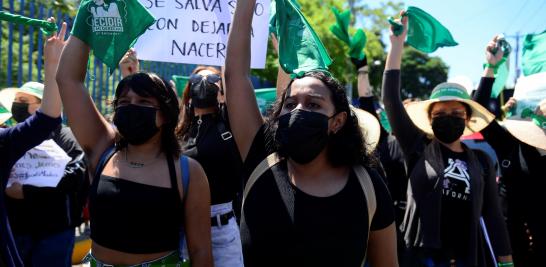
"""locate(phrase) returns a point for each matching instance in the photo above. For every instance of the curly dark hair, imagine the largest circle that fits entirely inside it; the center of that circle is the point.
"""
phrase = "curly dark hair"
(346, 147)
(150, 85)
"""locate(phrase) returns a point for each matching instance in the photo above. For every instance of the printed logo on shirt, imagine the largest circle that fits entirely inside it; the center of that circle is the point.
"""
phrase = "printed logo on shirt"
(106, 18)
(456, 184)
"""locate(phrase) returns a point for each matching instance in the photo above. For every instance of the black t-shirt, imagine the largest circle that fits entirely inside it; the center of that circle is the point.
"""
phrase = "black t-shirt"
(327, 231)
(456, 204)
(220, 158)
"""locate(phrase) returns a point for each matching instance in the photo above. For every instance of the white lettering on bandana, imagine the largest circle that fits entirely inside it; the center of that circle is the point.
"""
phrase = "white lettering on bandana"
(106, 17)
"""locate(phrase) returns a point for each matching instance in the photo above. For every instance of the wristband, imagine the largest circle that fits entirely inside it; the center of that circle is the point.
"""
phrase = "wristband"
(505, 264)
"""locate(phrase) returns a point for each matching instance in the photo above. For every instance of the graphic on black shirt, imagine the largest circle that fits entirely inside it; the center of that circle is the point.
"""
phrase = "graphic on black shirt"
(456, 183)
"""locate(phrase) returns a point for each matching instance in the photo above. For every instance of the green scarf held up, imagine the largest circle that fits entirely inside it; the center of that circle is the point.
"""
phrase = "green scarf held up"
(534, 54)
(111, 28)
(300, 49)
(357, 42)
(425, 33)
(48, 28)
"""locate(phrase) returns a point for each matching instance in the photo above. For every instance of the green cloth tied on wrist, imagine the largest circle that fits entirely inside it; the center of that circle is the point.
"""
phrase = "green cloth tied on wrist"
(300, 49)
(48, 28)
(357, 42)
(425, 33)
(111, 28)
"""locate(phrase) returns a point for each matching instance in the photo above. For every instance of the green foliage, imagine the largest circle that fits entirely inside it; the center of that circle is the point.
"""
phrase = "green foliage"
(421, 73)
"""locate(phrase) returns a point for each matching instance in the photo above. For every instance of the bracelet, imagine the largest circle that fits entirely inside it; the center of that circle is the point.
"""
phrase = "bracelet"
(505, 264)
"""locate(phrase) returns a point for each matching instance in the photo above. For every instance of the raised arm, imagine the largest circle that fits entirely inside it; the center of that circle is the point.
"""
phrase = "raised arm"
(91, 130)
(483, 93)
(244, 115)
(402, 127)
(51, 102)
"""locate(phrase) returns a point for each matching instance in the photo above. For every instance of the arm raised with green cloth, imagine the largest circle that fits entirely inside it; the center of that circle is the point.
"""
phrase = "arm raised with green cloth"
(245, 117)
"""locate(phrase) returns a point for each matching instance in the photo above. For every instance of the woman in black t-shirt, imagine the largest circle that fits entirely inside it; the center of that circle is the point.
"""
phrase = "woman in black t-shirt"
(205, 136)
(309, 209)
(451, 187)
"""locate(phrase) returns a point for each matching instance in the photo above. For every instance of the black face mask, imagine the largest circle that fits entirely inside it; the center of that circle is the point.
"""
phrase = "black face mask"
(136, 123)
(448, 128)
(302, 135)
(19, 111)
(204, 94)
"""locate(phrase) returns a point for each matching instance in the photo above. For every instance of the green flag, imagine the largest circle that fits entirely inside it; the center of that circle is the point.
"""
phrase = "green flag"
(111, 27)
(48, 28)
(502, 71)
(357, 42)
(265, 98)
(180, 83)
(534, 54)
(425, 33)
(300, 49)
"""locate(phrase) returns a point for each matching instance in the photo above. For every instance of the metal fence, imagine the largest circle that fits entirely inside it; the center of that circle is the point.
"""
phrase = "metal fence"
(21, 55)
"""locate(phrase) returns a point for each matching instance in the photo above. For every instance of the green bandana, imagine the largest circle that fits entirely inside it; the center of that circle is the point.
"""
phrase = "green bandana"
(111, 27)
(502, 68)
(449, 90)
(265, 98)
(539, 120)
(48, 28)
(534, 54)
(300, 49)
(180, 83)
(3, 110)
(341, 31)
(425, 33)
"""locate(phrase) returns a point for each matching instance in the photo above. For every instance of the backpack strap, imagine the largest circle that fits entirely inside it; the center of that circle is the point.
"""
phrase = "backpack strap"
(371, 201)
(265, 165)
(185, 168)
(104, 158)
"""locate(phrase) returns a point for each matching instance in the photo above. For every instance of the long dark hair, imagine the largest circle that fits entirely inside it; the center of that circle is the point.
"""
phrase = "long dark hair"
(346, 147)
(150, 85)
(186, 110)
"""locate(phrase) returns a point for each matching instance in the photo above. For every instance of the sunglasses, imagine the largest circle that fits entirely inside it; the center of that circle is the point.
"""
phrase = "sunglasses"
(211, 78)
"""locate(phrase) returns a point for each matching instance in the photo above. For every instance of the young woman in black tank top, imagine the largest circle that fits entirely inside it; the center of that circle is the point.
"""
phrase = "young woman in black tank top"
(137, 204)
(205, 136)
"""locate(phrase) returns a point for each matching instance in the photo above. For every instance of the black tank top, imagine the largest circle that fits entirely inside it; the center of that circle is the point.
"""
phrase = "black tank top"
(133, 217)
(211, 144)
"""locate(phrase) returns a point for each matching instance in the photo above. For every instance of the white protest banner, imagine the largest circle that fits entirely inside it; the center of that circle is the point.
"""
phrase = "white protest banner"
(196, 31)
(41, 166)
(529, 91)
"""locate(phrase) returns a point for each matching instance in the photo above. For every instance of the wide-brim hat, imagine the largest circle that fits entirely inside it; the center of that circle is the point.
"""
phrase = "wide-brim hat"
(4, 115)
(418, 111)
(369, 125)
(32, 88)
(523, 123)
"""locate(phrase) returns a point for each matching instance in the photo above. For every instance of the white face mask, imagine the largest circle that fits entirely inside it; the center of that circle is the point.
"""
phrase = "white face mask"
(542, 152)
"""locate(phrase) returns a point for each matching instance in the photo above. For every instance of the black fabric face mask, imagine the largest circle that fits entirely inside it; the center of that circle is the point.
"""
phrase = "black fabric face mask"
(136, 123)
(302, 135)
(204, 94)
(19, 111)
(448, 128)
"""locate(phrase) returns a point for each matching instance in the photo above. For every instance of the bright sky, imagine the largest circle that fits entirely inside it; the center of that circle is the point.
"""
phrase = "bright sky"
(473, 23)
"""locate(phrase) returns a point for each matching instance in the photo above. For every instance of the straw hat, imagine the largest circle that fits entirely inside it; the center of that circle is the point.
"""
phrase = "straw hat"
(418, 111)
(369, 125)
(32, 88)
(523, 123)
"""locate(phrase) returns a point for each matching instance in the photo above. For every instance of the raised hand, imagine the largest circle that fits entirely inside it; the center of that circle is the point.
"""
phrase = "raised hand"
(490, 57)
(129, 63)
(394, 59)
(54, 45)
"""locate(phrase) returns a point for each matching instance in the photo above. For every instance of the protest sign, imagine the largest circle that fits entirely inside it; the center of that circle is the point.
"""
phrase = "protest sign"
(196, 31)
(41, 166)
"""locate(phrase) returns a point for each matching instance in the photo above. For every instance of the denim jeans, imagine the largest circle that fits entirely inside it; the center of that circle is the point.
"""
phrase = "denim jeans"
(53, 250)
(226, 240)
